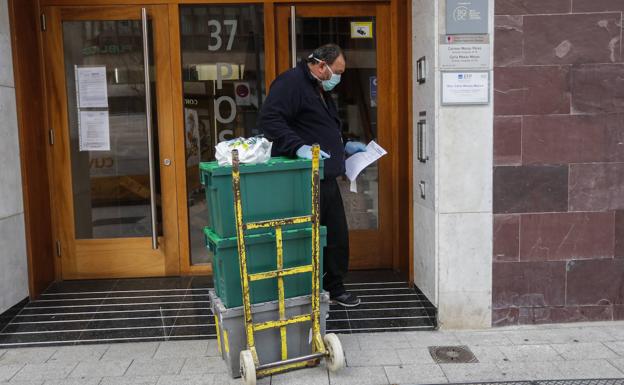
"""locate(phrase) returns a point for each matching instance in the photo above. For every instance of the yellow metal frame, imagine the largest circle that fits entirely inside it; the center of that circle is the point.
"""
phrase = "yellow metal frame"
(250, 327)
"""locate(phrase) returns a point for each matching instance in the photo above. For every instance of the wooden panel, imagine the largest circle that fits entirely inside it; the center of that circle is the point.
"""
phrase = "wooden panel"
(166, 142)
(33, 143)
(270, 40)
(115, 259)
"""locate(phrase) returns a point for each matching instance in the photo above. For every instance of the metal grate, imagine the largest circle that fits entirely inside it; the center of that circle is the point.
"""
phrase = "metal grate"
(452, 354)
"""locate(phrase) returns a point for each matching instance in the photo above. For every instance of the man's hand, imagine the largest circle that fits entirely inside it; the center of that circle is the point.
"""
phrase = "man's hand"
(354, 147)
(305, 152)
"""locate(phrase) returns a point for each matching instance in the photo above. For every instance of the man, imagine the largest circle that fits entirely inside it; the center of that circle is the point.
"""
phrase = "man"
(298, 113)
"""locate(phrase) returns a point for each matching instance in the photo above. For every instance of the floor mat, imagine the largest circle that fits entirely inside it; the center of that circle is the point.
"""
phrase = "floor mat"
(159, 309)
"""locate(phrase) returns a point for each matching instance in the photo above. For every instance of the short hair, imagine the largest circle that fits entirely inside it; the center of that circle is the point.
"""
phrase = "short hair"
(327, 53)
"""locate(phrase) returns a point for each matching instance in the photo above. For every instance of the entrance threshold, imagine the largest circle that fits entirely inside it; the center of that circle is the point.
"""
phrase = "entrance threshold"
(178, 308)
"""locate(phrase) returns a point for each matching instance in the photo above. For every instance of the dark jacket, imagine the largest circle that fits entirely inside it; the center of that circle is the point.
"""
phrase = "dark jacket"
(294, 114)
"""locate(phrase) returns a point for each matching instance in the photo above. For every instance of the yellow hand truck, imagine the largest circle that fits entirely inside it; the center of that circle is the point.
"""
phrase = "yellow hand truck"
(328, 347)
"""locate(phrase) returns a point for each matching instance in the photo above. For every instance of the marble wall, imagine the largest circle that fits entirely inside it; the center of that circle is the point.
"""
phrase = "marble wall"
(453, 222)
(558, 161)
(13, 262)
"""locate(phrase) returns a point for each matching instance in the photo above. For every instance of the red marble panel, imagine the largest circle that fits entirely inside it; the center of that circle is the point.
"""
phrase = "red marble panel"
(615, 137)
(530, 189)
(508, 41)
(564, 236)
(619, 234)
(544, 315)
(505, 317)
(507, 141)
(598, 88)
(506, 238)
(597, 5)
(572, 39)
(531, 90)
(528, 284)
(563, 139)
(618, 312)
(596, 187)
(527, 7)
(595, 282)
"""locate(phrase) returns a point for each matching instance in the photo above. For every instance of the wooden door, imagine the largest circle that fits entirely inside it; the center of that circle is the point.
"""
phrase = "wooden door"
(364, 101)
(114, 203)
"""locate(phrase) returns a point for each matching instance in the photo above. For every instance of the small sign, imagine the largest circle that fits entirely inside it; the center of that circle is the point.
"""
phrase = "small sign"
(464, 52)
(361, 30)
(243, 93)
(91, 87)
(466, 16)
(465, 88)
(93, 131)
(373, 90)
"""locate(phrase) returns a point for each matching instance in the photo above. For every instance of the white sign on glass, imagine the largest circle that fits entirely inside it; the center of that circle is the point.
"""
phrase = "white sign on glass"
(91, 87)
(465, 88)
(93, 131)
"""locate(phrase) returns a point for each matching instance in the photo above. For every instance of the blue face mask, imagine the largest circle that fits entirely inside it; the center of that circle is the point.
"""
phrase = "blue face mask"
(332, 82)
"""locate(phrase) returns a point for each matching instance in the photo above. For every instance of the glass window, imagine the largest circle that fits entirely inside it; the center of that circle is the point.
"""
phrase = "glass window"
(223, 74)
(108, 140)
(356, 98)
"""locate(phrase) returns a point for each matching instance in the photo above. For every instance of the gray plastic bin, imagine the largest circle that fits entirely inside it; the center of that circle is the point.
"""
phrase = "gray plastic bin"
(232, 336)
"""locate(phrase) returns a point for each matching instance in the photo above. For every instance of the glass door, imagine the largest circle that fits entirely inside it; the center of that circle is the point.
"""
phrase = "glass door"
(223, 79)
(363, 100)
(112, 141)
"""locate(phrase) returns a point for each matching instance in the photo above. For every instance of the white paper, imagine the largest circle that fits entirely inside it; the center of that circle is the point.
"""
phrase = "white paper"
(94, 131)
(91, 87)
(465, 88)
(358, 162)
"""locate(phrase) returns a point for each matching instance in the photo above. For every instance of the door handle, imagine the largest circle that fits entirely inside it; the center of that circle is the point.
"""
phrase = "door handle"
(293, 34)
(148, 116)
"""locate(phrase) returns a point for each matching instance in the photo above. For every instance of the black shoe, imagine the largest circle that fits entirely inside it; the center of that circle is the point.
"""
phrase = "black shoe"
(346, 299)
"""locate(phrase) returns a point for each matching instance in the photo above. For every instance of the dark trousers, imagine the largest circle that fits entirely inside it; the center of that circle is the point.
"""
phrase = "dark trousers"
(336, 253)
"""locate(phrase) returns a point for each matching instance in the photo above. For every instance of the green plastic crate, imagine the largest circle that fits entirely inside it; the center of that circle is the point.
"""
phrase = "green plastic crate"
(280, 188)
(262, 257)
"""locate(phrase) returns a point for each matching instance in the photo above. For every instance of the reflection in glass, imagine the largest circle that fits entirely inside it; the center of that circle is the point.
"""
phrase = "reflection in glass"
(356, 98)
(223, 74)
(111, 188)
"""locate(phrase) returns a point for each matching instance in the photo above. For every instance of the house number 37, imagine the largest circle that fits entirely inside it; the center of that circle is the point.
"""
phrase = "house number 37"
(216, 41)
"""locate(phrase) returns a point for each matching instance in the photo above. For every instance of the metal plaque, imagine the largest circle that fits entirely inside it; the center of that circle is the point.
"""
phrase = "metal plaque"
(466, 16)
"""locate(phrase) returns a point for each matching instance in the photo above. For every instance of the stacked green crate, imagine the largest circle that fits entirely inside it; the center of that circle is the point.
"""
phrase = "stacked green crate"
(280, 188)
(261, 257)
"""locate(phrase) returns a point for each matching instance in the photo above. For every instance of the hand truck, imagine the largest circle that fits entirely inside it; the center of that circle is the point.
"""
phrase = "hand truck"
(328, 347)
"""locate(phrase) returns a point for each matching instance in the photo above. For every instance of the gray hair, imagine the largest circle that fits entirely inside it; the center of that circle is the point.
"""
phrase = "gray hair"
(327, 53)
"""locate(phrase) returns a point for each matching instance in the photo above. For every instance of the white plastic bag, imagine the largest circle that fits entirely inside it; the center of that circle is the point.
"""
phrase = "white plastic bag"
(251, 150)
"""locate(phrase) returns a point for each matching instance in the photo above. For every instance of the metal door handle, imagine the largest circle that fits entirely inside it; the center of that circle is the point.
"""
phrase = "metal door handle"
(293, 36)
(148, 116)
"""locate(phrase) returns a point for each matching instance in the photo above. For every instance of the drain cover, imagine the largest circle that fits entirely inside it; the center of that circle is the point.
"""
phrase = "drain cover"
(452, 354)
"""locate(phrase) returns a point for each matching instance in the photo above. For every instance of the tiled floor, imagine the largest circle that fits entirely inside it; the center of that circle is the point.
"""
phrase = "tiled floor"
(158, 309)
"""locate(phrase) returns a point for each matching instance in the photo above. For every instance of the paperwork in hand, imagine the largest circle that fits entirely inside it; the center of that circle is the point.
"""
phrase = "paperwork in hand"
(358, 162)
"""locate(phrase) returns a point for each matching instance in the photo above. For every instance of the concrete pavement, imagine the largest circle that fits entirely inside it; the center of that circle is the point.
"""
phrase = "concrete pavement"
(569, 351)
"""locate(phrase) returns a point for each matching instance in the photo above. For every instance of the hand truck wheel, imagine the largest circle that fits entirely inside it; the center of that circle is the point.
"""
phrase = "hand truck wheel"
(247, 368)
(335, 359)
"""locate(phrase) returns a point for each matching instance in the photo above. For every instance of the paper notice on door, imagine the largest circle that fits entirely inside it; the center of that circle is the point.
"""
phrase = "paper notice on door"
(358, 162)
(93, 131)
(91, 87)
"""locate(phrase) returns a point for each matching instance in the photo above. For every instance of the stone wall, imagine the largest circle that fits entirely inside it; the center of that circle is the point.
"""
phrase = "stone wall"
(13, 261)
(558, 161)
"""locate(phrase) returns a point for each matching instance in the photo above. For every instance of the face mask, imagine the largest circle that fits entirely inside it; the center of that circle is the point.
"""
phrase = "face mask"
(332, 82)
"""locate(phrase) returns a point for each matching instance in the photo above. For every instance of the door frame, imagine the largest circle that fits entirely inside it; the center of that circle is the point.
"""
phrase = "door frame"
(112, 257)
